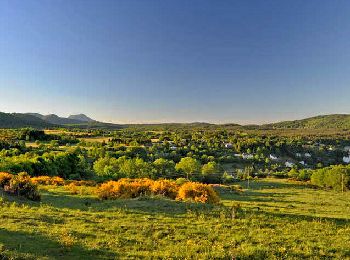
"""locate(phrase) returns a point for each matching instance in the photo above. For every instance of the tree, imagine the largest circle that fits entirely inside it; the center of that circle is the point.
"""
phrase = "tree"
(164, 168)
(189, 166)
(211, 173)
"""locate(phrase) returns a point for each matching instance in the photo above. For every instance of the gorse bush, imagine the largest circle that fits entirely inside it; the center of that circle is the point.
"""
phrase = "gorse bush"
(197, 192)
(47, 180)
(81, 183)
(22, 185)
(165, 187)
(125, 188)
(132, 188)
(5, 178)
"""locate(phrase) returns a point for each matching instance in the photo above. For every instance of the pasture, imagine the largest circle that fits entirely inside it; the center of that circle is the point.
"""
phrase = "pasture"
(277, 219)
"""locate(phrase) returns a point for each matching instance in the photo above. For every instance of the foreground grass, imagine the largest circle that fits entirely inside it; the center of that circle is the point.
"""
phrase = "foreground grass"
(278, 220)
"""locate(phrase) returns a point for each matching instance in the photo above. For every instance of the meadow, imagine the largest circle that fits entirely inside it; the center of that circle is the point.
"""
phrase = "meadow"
(274, 219)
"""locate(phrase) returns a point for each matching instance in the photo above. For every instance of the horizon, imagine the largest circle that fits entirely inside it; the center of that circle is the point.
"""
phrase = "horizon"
(177, 122)
(158, 61)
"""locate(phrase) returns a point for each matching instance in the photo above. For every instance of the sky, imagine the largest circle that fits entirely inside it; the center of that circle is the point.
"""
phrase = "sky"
(147, 61)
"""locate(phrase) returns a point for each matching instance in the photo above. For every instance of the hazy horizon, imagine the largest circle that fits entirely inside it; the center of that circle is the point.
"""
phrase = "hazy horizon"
(175, 61)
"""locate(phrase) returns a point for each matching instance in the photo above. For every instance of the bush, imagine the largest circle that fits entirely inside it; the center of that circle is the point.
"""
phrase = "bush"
(125, 188)
(5, 178)
(336, 177)
(43, 180)
(132, 188)
(47, 180)
(181, 181)
(165, 187)
(82, 183)
(72, 188)
(197, 192)
(21, 185)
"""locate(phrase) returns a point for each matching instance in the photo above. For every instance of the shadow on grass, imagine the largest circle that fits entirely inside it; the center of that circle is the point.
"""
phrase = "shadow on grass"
(150, 205)
(258, 196)
(24, 245)
(272, 184)
(301, 217)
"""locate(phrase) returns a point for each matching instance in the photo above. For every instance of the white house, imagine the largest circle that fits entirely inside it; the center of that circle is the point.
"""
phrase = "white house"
(272, 157)
(298, 154)
(173, 147)
(289, 164)
(346, 159)
(307, 155)
(228, 145)
(347, 149)
(302, 163)
(247, 156)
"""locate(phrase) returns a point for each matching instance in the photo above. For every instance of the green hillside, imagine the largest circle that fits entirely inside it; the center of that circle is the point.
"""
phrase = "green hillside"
(340, 121)
(17, 120)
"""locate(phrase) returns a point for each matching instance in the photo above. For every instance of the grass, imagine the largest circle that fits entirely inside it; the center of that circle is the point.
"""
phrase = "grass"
(277, 220)
(98, 139)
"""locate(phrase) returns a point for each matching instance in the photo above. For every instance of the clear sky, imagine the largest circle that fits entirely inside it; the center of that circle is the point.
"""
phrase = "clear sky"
(176, 61)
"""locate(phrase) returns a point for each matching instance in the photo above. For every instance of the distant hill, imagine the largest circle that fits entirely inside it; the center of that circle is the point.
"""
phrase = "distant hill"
(81, 117)
(55, 119)
(340, 121)
(75, 121)
(35, 120)
(17, 120)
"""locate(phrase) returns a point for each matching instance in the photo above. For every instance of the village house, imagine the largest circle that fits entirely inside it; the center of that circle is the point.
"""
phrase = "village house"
(272, 157)
(247, 156)
(346, 159)
(289, 164)
(228, 145)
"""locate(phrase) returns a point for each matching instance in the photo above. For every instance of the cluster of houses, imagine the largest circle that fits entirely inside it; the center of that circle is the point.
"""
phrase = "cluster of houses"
(288, 163)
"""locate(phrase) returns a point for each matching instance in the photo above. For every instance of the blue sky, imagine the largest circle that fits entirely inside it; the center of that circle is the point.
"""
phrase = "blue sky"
(176, 61)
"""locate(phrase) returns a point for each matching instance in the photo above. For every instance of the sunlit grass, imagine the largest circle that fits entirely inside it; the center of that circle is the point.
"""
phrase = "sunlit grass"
(278, 220)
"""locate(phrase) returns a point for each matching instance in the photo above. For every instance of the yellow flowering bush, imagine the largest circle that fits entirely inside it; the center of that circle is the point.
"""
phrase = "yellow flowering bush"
(197, 192)
(47, 180)
(5, 178)
(132, 188)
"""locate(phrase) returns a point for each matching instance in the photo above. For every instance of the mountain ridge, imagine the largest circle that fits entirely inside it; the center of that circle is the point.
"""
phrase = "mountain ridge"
(36, 120)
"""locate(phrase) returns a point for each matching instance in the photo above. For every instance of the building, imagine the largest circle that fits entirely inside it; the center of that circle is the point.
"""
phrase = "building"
(289, 164)
(346, 159)
(272, 157)
(228, 145)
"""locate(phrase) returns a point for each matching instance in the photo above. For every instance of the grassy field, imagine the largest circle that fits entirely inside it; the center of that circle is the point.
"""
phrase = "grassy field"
(277, 220)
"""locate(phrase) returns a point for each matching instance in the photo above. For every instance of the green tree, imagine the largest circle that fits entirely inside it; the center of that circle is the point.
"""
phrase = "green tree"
(189, 166)
(164, 168)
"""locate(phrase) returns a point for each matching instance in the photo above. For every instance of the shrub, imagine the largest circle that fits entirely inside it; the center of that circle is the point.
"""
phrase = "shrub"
(43, 180)
(82, 183)
(181, 181)
(57, 181)
(165, 187)
(47, 180)
(132, 188)
(197, 192)
(125, 188)
(5, 178)
(72, 188)
(21, 185)
(336, 177)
